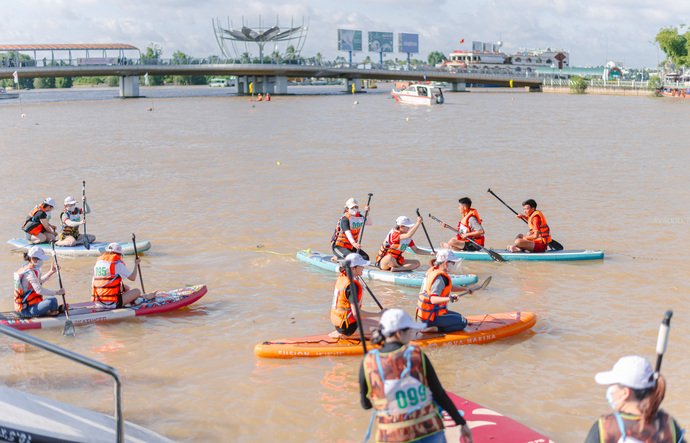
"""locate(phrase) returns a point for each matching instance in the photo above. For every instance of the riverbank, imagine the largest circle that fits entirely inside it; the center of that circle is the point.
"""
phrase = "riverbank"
(597, 90)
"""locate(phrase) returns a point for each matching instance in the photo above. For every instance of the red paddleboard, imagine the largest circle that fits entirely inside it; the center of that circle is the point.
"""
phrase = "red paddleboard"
(488, 425)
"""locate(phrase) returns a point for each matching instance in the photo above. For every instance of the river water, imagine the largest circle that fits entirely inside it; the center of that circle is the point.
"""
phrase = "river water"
(228, 190)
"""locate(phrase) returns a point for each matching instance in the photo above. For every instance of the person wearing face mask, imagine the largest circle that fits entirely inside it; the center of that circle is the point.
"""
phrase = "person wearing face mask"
(71, 220)
(29, 290)
(390, 256)
(346, 235)
(342, 314)
(435, 295)
(400, 383)
(37, 226)
(635, 394)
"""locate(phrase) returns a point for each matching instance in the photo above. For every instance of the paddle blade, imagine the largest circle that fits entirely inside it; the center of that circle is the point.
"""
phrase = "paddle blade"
(69, 329)
(485, 284)
(87, 245)
(553, 244)
(495, 256)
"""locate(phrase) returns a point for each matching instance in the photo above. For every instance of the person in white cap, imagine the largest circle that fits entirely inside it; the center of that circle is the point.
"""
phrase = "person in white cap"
(470, 226)
(346, 235)
(29, 292)
(390, 256)
(109, 291)
(635, 393)
(71, 220)
(400, 383)
(342, 314)
(37, 226)
(435, 295)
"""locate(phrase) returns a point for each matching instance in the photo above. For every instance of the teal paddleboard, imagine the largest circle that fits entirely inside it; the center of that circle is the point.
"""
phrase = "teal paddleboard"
(564, 255)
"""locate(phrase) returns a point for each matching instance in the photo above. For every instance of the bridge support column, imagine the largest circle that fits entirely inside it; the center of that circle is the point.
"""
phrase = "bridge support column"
(129, 86)
(458, 87)
(281, 85)
(357, 82)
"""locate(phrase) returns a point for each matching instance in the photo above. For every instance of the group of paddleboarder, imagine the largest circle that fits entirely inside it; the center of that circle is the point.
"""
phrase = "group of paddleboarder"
(38, 229)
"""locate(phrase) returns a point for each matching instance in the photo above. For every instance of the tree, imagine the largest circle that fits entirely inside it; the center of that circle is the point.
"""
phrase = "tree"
(290, 52)
(63, 82)
(367, 60)
(578, 84)
(435, 58)
(153, 51)
(675, 45)
(319, 57)
(44, 82)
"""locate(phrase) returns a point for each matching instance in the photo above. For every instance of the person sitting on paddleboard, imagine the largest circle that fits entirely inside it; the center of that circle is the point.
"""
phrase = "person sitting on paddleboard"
(71, 220)
(390, 256)
(400, 383)
(634, 395)
(435, 295)
(344, 240)
(109, 291)
(37, 226)
(470, 226)
(539, 234)
(29, 290)
(342, 314)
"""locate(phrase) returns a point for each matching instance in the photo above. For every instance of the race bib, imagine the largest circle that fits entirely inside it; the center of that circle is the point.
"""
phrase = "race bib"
(405, 394)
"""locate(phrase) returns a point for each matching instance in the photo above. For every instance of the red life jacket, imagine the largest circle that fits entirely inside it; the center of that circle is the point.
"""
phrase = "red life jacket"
(390, 248)
(24, 294)
(356, 223)
(542, 231)
(32, 224)
(466, 223)
(107, 285)
(427, 311)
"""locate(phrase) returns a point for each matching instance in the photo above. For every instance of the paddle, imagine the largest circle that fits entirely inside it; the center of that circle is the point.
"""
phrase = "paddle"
(426, 233)
(361, 233)
(136, 255)
(471, 290)
(553, 244)
(69, 326)
(662, 341)
(83, 214)
(354, 302)
(361, 280)
(494, 255)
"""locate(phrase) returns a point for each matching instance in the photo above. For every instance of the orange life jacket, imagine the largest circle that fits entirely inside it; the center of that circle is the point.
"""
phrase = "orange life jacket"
(107, 285)
(33, 225)
(466, 223)
(417, 415)
(24, 294)
(543, 232)
(389, 248)
(356, 223)
(427, 311)
(660, 430)
(342, 314)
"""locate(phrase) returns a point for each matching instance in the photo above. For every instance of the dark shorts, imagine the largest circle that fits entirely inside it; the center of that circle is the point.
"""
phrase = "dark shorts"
(341, 252)
(117, 305)
(449, 322)
(347, 331)
(470, 247)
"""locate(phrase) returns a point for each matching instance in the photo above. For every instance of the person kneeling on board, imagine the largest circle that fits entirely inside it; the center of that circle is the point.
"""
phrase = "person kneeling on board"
(71, 220)
(470, 226)
(634, 394)
(37, 226)
(400, 383)
(390, 256)
(435, 295)
(342, 314)
(539, 234)
(29, 290)
(344, 240)
(109, 291)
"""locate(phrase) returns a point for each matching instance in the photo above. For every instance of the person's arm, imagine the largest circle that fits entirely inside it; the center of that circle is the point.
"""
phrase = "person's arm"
(363, 389)
(419, 251)
(437, 288)
(48, 227)
(123, 272)
(64, 218)
(593, 435)
(369, 220)
(38, 287)
(412, 230)
(679, 431)
(534, 229)
(476, 228)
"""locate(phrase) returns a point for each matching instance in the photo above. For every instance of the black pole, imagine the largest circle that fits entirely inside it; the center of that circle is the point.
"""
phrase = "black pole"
(361, 233)
(355, 302)
(426, 233)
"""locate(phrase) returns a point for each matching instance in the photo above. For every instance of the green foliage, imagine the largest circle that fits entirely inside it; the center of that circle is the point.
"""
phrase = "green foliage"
(578, 85)
(88, 81)
(44, 83)
(63, 82)
(654, 82)
(435, 58)
(153, 51)
(675, 45)
(112, 80)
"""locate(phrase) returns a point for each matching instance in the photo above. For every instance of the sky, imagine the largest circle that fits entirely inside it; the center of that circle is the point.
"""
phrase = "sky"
(594, 31)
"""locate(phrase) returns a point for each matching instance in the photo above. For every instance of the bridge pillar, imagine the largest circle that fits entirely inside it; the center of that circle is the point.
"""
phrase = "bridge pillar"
(281, 85)
(357, 82)
(458, 87)
(129, 86)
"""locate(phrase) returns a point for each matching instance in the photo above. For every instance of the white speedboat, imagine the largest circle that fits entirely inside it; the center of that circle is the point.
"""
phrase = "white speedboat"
(7, 95)
(419, 94)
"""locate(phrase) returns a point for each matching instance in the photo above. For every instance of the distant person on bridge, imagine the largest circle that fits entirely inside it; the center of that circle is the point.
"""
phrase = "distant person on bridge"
(37, 226)
(539, 235)
(470, 227)
(71, 220)
(346, 235)
(390, 256)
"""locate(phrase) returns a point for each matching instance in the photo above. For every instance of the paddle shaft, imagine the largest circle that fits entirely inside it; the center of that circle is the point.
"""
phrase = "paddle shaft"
(361, 280)
(361, 233)
(662, 340)
(426, 233)
(57, 266)
(136, 256)
(472, 290)
(354, 302)
(494, 255)
(83, 213)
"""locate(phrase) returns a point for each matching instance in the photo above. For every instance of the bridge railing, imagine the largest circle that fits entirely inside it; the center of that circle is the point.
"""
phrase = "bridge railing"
(595, 83)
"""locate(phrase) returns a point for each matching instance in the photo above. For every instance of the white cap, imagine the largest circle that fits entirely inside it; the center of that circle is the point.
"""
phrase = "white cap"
(37, 252)
(444, 255)
(70, 201)
(49, 201)
(351, 203)
(354, 259)
(631, 371)
(114, 247)
(394, 320)
(403, 221)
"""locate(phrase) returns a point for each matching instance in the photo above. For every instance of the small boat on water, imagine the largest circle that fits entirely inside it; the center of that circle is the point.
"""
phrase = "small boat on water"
(419, 94)
(95, 248)
(4, 95)
(676, 90)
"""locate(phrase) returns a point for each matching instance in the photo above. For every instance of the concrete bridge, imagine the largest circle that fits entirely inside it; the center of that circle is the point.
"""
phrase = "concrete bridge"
(271, 78)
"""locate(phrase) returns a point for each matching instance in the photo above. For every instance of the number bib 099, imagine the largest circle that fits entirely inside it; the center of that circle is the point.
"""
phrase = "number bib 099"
(405, 394)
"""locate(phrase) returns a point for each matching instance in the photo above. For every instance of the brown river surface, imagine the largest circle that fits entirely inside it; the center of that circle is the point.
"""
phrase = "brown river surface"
(199, 177)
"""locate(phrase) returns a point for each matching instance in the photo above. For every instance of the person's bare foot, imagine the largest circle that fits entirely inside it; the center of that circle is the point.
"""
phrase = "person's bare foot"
(334, 259)
(151, 296)
(512, 248)
(335, 334)
(444, 245)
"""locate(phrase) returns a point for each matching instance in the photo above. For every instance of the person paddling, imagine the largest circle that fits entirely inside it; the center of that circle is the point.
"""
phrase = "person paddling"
(109, 291)
(390, 256)
(346, 235)
(342, 315)
(29, 290)
(37, 226)
(635, 394)
(400, 383)
(470, 226)
(71, 220)
(435, 295)
(539, 233)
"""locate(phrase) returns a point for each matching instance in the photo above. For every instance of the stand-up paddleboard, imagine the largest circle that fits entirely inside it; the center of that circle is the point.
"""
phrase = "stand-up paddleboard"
(81, 313)
(412, 278)
(564, 255)
(481, 329)
(96, 248)
(488, 425)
